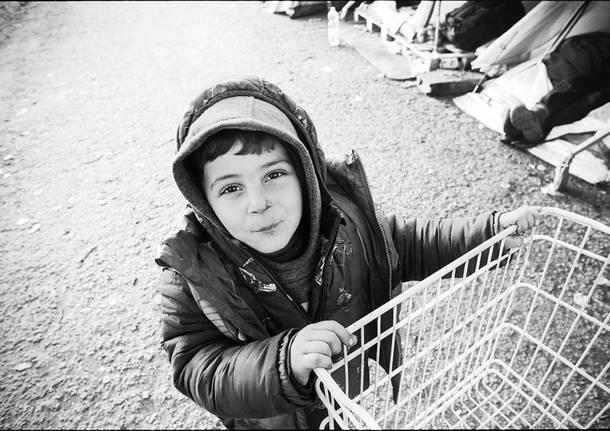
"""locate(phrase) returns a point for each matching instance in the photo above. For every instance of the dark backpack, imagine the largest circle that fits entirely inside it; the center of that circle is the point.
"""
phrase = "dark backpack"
(477, 22)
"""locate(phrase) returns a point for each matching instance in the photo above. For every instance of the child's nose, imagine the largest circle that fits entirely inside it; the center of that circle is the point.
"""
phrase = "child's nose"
(258, 201)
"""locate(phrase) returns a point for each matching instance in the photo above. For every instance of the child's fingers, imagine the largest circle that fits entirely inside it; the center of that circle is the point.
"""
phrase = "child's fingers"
(330, 325)
(316, 360)
(530, 217)
(537, 215)
(317, 346)
(327, 337)
(523, 223)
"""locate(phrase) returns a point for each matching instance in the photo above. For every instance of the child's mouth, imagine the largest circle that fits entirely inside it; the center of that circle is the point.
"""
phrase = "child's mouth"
(268, 228)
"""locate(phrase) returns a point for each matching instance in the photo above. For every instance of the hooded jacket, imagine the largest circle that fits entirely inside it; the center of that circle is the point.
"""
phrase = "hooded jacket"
(227, 323)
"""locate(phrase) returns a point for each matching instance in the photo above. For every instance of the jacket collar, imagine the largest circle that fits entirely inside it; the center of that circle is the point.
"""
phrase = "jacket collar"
(189, 253)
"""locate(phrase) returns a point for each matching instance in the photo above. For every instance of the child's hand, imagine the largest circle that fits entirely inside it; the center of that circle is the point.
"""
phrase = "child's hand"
(314, 345)
(525, 218)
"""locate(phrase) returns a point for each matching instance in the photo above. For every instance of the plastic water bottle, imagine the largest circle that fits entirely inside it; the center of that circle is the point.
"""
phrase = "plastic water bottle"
(333, 27)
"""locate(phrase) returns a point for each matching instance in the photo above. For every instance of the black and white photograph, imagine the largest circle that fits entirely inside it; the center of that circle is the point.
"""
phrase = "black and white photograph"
(305, 214)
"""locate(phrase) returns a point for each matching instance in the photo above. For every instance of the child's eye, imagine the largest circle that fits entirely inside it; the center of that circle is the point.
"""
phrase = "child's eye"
(232, 188)
(276, 174)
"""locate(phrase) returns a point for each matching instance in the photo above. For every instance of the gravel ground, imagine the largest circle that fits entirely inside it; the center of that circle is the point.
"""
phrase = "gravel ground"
(91, 96)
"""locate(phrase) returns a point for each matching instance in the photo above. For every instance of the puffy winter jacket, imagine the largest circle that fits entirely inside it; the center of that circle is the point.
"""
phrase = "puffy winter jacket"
(227, 324)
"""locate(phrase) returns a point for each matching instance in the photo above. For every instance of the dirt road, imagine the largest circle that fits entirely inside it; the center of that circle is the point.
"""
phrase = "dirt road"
(90, 98)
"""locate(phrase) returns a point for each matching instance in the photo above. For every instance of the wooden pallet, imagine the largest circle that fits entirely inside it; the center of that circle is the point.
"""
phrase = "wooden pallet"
(395, 67)
(425, 52)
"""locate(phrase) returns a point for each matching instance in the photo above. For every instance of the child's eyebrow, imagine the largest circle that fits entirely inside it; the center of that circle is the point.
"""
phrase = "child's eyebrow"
(222, 178)
(276, 161)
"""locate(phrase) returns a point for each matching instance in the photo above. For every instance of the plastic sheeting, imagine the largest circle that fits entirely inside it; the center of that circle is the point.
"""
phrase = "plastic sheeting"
(534, 34)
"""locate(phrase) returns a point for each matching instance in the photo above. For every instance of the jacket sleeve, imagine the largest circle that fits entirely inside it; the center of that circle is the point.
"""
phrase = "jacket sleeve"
(226, 377)
(425, 246)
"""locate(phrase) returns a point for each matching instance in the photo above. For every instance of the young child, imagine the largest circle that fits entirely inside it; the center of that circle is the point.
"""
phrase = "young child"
(280, 250)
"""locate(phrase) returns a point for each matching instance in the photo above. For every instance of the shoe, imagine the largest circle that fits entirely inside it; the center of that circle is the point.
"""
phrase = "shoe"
(511, 133)
(528, 122)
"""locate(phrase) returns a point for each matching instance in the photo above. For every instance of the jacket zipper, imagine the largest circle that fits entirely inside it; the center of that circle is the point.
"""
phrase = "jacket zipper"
(323, 270)
(383, 234)
(322, 283)
(300, 309)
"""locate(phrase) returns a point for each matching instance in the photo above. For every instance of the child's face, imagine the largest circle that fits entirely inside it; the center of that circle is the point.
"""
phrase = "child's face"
(256, 197)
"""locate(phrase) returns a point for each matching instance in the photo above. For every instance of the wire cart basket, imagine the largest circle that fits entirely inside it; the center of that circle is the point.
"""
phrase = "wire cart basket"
(500, 338)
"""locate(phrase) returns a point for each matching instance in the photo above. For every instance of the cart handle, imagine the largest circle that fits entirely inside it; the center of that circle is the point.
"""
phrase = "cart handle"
(469, 255)
(577, 218)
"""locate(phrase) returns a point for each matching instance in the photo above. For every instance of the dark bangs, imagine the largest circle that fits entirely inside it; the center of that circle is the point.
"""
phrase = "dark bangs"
(253, 142)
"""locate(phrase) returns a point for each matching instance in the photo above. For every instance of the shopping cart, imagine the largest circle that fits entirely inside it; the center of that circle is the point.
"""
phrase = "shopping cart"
(522, 341)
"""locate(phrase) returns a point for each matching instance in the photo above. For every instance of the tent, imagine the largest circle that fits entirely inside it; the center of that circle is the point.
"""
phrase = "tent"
(521, 49)
(538, 31)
